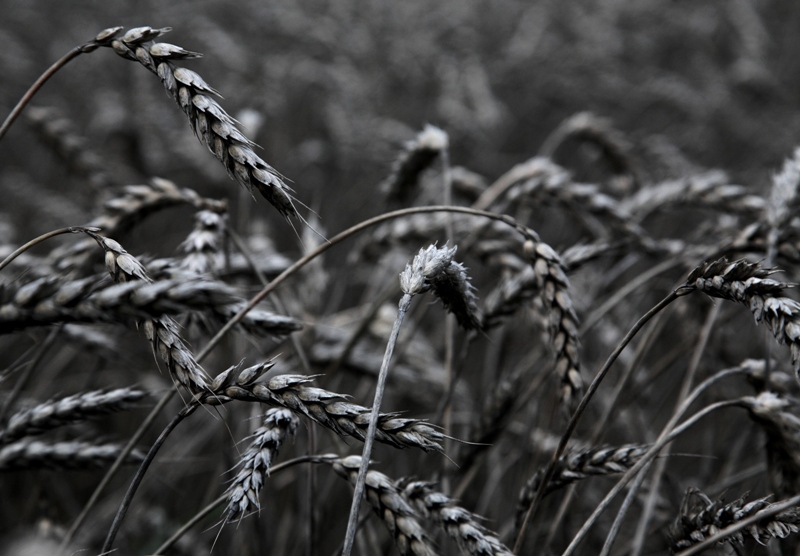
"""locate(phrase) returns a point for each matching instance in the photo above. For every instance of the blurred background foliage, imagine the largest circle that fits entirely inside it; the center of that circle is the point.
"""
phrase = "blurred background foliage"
(331, 89)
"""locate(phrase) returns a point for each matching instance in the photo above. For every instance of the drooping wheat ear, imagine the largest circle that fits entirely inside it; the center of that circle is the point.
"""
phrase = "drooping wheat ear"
(46, 301)
(710, 190)
(212, 125)
(749, 283)
(256, 461)
(589, 127)
(578, 465)
(553, 286)
(204, 243)
(120, 213)
(434, 269)
(33, 454)
(460, 525)
(65, 411)
(701, 517)
(62, 135)
(418, 154)
(388, 503)
(782, 427)
(321, 406)
(163, 332)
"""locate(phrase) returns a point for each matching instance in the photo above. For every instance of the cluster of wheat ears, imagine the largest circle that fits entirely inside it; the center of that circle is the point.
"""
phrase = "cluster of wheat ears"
(549, 367)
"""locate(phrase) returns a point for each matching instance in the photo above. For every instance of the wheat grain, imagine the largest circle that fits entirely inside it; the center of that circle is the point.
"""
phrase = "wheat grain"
(710, 190)
(577, 465)
(750, 284)
(434, 269)
(777, 417)
(47, 301)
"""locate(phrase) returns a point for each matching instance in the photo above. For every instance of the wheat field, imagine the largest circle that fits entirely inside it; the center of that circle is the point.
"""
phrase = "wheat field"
(553, 246)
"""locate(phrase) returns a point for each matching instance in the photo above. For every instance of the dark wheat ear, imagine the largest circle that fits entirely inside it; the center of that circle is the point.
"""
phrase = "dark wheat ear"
(212, 125)
(417, 156)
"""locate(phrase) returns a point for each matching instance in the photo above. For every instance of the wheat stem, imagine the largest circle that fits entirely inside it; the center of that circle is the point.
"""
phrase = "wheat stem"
(44, 237)
(137, 479)
(350, 535)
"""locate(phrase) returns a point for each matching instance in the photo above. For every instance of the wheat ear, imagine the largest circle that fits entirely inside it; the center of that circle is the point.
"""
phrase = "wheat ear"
(461, 525)
(163, 332)
(418, 154)
(321, 406)
(34, 454)
(701, 518)
(212, 125)
(256, 461)
(387, 501)
(749, 284)
(65, 411)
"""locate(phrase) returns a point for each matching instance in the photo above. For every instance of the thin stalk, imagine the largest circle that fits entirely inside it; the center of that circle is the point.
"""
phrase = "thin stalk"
(26, 98)
(660, 466)
(137, 480)
(44, 237)
(573, 423)
(350, 535)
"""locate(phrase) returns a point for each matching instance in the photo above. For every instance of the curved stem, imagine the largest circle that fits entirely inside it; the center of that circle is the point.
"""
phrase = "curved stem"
(573, 423)
(137, 480)
(338, 238)
(26, 98)
(44, 237)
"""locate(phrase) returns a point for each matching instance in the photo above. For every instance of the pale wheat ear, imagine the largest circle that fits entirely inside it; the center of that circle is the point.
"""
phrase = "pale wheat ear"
(211, 124)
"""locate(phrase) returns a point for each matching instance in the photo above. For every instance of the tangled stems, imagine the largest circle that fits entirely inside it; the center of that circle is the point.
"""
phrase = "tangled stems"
(573, 422)
(235, 319)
